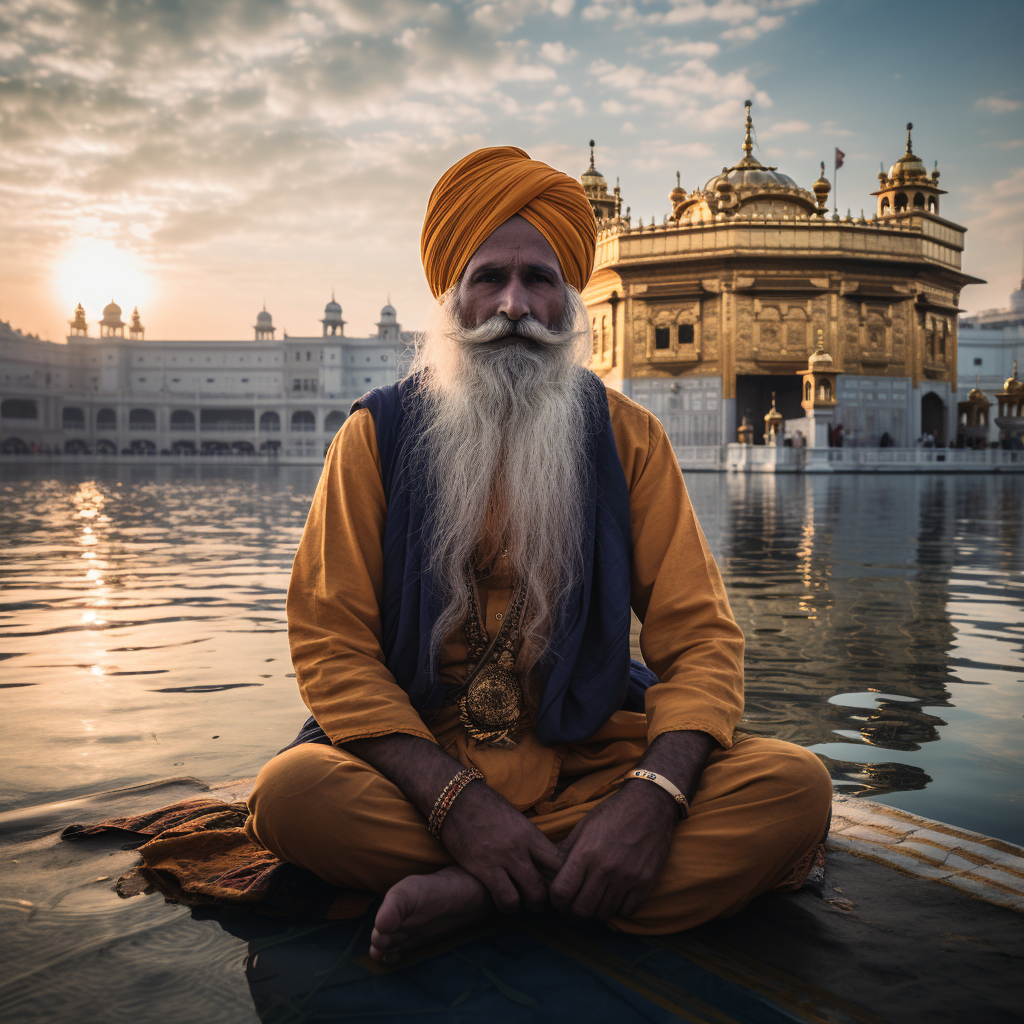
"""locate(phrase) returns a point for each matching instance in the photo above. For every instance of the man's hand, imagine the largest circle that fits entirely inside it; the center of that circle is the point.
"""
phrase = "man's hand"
(615, 854)
(483, 832)
(501, 847)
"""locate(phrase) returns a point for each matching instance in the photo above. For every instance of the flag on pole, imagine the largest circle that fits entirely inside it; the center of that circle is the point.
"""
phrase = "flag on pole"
(839, 158)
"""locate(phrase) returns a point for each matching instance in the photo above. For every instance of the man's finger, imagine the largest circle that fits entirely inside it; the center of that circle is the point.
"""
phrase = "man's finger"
(632, 903)
(589, 897)
(546, 855)
(503, 892)
(611, 903)
(531, 886)
(567, 883)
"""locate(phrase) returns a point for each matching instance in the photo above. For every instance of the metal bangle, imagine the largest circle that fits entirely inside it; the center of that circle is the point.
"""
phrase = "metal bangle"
(444, 802)
(659, 780)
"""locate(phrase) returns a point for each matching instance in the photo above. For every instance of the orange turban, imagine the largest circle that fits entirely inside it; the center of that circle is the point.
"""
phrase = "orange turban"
(485, 189)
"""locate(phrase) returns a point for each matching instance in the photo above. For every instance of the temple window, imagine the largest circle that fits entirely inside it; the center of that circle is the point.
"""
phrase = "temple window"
(919, 200)
(933, 204)
(885, 205)
(685, 334)
(901, 202)
(661, 337)
(807, 391)
(604, 332)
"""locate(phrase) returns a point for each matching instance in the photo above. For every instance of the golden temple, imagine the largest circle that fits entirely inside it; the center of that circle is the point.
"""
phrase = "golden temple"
(702, 317)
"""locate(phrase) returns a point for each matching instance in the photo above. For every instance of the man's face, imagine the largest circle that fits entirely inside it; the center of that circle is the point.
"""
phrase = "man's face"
(514, 273)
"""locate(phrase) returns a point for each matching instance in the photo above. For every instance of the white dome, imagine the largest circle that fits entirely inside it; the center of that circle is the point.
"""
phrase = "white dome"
(263, 317)
(388, 313)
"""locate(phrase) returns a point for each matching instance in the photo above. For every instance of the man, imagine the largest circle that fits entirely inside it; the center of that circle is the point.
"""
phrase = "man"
(461, 600)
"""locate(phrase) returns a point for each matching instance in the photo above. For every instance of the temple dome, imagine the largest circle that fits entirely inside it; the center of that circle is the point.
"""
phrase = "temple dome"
(332, 311)
(388, 312)
(111, 312)
(263, 317)
(909, 165)
(747, 188)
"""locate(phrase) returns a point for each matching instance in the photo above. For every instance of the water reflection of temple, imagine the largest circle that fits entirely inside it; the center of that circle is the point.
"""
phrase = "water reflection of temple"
(844, 591)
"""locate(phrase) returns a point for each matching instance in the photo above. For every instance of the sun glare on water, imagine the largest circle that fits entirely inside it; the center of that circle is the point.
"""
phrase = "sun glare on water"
(93, 271)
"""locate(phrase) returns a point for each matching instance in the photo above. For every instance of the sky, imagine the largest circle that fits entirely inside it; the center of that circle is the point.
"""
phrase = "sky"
(199, 158)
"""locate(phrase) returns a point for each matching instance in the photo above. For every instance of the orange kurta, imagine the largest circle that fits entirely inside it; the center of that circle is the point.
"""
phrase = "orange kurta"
(759, 809)
(689, 637)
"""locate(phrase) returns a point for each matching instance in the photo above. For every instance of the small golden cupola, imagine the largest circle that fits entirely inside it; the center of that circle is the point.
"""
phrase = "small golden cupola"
(819, 379)
(908, 188)
(972, 415)
(1011, 402)
(606, 205)
(772, 424)
(821, 189)
(79, 327)
(136, 332)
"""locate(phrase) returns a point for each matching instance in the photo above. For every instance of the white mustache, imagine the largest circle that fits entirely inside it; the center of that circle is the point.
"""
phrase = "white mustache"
(500, 326)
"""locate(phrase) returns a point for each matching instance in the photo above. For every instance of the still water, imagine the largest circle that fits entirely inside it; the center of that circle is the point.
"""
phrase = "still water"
(142, 637)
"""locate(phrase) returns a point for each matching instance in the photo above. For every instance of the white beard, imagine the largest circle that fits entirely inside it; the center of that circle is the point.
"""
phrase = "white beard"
(502, 449)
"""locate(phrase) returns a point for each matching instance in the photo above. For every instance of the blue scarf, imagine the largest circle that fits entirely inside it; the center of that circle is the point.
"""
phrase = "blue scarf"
(586, 672)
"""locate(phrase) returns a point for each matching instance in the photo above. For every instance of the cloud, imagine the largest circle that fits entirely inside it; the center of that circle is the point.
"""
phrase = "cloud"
(748, 33)
(788, 127)
(557, 53)
(188, 127)
(686, 48)
(997, 105)
(685, 89)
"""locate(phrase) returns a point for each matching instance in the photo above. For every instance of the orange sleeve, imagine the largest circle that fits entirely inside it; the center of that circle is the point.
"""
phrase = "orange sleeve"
(334, 596)
(689, 637)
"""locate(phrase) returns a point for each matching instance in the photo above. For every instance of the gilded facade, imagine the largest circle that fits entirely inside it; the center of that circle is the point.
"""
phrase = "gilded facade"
(702, 317)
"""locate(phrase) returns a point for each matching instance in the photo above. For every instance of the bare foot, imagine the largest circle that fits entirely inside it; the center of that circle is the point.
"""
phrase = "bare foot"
(421, 908)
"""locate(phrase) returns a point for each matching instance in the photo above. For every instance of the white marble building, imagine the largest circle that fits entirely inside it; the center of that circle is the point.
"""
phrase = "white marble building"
(991, 345)
(109, 393)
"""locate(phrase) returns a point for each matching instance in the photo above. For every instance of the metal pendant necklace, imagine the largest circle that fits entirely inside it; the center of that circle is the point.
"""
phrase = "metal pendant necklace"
(492, 699)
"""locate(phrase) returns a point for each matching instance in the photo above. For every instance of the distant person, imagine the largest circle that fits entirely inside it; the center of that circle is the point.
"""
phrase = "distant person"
(886, 441)
(838, 436)
(459, 616)
(799, 441)
(1016, 444)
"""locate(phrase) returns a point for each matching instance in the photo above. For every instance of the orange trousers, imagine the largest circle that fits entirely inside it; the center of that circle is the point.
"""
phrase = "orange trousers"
(759, 812)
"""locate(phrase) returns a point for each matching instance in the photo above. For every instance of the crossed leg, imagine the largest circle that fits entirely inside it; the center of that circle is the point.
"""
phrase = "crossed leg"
(760, 808)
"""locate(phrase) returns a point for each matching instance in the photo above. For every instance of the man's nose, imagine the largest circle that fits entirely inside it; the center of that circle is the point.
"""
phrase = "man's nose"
(514, 301)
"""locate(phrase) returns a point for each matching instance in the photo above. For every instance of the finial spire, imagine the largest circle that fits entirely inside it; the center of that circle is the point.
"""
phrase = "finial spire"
(748, 142)
(592, 155)
(679, 180)
(910, 128)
